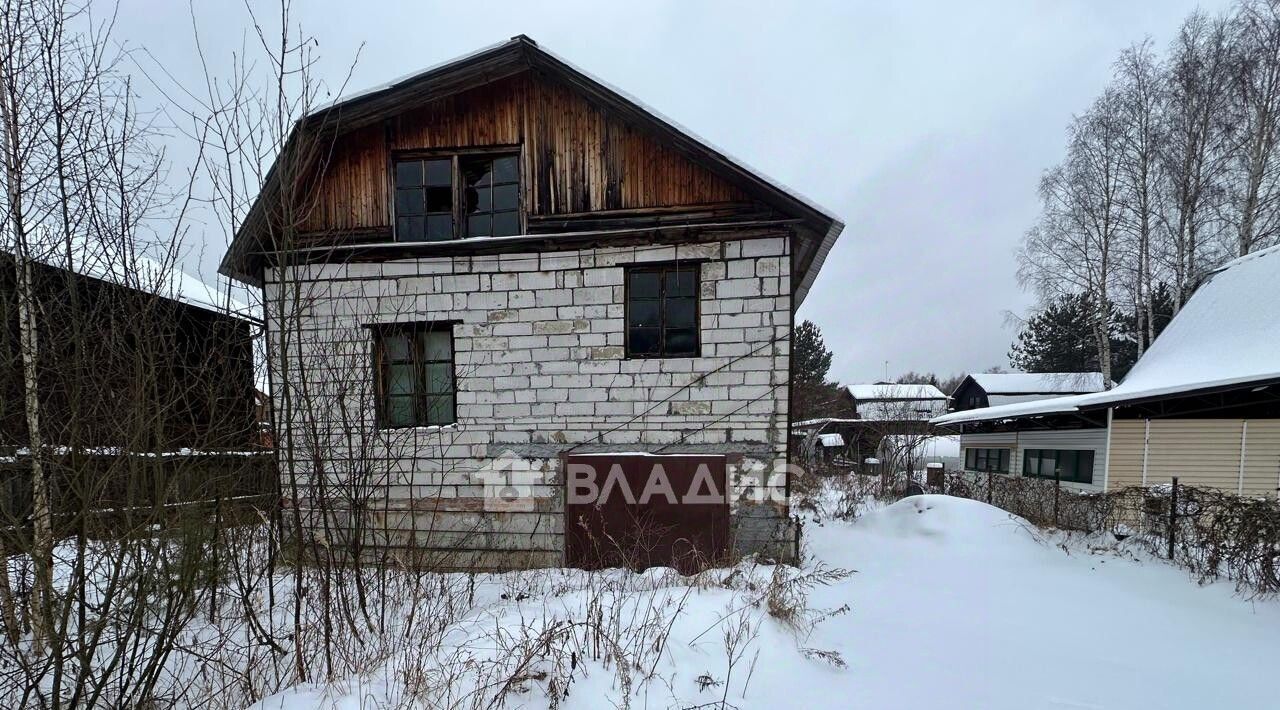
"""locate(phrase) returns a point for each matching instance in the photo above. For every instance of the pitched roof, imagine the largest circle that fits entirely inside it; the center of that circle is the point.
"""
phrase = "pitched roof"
(1039, 382)
(1047, 405)
(143, 273)
(890, 391)
(506, 59)
(1227, 335)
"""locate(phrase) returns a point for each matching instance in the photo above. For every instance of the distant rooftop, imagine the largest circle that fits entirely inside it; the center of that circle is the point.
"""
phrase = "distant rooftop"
(894, 392)
(1040, 382)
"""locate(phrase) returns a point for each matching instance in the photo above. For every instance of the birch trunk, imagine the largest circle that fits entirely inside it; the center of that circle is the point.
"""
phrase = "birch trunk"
(42, 527)
(42, 535)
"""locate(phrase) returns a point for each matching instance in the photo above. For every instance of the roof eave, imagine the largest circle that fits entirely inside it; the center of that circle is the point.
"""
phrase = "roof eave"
(819, 258)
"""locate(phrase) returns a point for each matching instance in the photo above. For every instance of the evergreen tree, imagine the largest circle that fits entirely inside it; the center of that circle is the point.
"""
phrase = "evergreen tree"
(1060, 337)
(1057, 339)
(810, 358)
(812, 395)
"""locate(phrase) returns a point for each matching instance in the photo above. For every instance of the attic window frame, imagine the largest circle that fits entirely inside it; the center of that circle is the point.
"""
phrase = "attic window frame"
(456, 155)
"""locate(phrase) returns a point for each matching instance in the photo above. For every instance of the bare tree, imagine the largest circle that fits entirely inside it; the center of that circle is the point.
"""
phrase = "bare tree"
(1138, 103)
(1074, 248)
(1253, 117)
(1193, 150)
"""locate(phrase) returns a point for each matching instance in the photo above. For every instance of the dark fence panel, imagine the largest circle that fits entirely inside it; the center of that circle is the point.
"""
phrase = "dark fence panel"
(112, 494)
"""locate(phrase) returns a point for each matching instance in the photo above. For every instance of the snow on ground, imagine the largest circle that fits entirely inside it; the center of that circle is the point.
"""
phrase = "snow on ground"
(954, 604)
(958, 604)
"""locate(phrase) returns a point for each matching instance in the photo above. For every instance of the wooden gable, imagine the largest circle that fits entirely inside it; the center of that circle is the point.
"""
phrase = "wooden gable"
(575, 158)
(595, 166)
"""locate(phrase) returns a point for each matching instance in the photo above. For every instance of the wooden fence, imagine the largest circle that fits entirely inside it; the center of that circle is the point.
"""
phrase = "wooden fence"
(104, 494)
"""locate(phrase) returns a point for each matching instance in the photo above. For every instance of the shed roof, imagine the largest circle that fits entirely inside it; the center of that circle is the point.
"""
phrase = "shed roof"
(142, 273)
(505, 59)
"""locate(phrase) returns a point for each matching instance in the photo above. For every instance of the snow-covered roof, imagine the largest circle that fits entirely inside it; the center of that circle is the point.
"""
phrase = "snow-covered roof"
(1228, 333)
(889, 391)
(1040, 382)
(1047, 405)
(172, 282)
(831, 439)
(143, 273)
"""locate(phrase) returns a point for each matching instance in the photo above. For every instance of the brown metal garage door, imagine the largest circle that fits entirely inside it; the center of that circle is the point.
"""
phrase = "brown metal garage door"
(638, 511)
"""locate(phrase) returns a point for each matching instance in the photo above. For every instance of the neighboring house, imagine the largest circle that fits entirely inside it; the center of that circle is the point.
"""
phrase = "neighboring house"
(1202, 404)
(152, 361)
(889, 402)
(995, 389)
(882, 409)
(505, 265)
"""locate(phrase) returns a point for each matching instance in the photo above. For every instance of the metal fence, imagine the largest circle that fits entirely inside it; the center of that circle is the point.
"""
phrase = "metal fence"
(1213, 533)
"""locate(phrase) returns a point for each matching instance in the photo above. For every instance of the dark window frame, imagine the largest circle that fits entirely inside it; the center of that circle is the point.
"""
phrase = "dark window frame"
(422, 391)
(1077, 471)
(987, 459)
(662, 269)
(458, 190)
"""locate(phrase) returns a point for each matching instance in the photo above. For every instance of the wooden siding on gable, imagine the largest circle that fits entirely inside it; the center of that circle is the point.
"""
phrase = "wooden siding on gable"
(574, 157)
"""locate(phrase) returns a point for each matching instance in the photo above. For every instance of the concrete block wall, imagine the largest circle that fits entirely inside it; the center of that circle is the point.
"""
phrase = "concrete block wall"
(541, 370)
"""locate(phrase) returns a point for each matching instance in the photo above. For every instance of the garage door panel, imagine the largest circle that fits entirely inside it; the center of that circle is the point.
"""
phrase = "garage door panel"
(649, 511)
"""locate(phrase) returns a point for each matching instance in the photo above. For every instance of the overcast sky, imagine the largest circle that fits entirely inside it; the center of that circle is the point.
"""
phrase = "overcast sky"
(924, 126)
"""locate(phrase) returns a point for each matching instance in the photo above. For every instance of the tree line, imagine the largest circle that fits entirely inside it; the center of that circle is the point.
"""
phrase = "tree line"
(1171, 172)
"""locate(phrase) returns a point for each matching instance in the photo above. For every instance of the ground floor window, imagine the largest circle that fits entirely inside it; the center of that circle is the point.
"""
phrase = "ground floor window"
(414, 365)
(994, 460)
(1068, 465)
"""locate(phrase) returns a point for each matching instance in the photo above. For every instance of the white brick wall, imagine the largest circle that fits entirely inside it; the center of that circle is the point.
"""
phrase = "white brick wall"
(541, 369)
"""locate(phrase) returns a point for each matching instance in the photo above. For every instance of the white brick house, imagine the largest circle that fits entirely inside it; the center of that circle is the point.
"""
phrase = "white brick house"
(486, 288)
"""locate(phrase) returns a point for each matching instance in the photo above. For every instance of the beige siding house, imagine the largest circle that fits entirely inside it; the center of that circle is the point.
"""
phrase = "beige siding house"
(1202, 405)
(1239, 455)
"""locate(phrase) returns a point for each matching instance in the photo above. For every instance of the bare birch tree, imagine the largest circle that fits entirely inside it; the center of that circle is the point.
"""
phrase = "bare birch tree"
(1138, 106)
(1073, 248)
(1194, 146)
(1253, 114)
(1193, 150)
